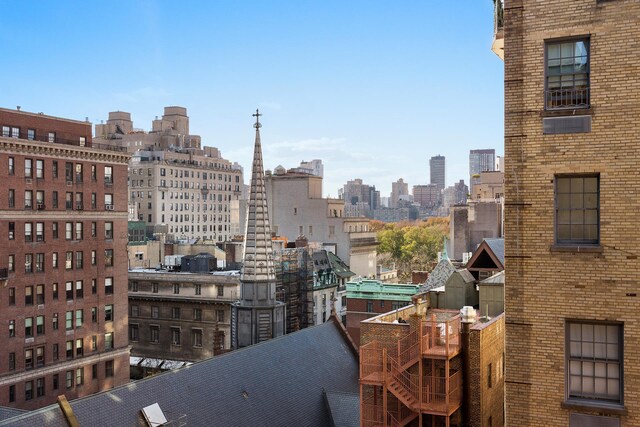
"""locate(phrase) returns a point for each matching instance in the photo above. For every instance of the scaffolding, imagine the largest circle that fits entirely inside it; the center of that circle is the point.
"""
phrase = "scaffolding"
(294, 286)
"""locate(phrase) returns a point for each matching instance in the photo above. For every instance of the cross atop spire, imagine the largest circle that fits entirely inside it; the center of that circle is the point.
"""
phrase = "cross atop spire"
(257, 115)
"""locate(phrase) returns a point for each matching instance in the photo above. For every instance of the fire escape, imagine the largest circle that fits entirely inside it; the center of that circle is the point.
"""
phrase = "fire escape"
(419, 374)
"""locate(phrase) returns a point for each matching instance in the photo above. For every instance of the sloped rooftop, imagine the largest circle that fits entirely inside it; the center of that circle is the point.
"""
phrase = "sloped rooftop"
(280, 382)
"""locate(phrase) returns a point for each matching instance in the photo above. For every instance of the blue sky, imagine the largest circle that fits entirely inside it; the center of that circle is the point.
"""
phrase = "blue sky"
(372, 88)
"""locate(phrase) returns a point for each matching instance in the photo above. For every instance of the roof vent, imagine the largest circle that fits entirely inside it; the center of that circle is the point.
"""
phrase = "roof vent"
(18, 107)
(468, 314)
(153, 415)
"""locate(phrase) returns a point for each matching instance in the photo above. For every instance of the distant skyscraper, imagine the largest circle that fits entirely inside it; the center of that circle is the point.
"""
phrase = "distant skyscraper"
(399, 188)
(438, 172)
(481, 161)
(257, 316)
(314, 166)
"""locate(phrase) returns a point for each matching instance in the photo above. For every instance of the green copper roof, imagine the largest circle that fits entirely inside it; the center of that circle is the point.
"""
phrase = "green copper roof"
(377, 290)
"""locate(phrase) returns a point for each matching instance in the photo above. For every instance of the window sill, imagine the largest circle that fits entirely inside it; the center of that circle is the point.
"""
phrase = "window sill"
(593, 406)
(562, 112)
(576, 248)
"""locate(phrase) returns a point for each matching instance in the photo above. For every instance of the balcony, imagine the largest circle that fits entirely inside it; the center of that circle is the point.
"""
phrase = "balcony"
(441, 337)
(498, 29)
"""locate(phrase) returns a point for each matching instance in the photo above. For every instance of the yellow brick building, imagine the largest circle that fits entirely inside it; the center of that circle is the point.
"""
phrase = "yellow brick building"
(572, 184)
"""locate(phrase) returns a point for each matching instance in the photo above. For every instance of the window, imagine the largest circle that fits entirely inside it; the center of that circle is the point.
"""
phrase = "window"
(94, 201)
(12, 296)
(40, 387)
(40, 169)
(12, 198)
(94, 229)
(134, 332)
(135, 310)
(28, 295)
(54, 168)
(12, 166)
(54, 230)
(39, 263)
(79, 172)
(175, 312)
(108, 285)
(28, 359)
(94, 175)
(108, 341)
(68, 230)
(31, 134)
(198, 289)
(55, 380)
(12, 231)
(55, 352)
(68, 200)
(79, 231)
(108, 175)
(489, 378)
(577, 209)
(108, 257)
(12, 361)
(94, 314)
(28, 199)
(196, 337)
(54, 291)
(94, 371)
(108, 230)
(28, 263)
(108, 201)
(28, 232)
(40, 294)
(28, 168)
(69, 379)
(155, 312)
(79, 347)
(220, 315)
(94, 343)
(69, 290)
(39, 357)
(176, 288)
(69, 347)
(55, 321)
(12, 328)
(28, 390)
(154, 333)
(40, 325)
(12, 393)
(197, 314)
(108, 368)
(154, 288)
(39, 231)
(11, 263)
(220, 289)
(54, 260)
(94, 287)
(567, 74)
(94, 257)
(69, 320)
(594, 361)
(108, 313)
(79, 318)
(369, 306)
(28, 327)
(133, 286)
(175, 336)
(51, 137)
(79, 258)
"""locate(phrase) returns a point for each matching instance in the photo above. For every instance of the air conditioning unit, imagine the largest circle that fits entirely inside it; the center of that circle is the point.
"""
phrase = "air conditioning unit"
(69, 183)
(39, 238)
(28, 180)
(40, 206)
(108, 207)
(79, 206)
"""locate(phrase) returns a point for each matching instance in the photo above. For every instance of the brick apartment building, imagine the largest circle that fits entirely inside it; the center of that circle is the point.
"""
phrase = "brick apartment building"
(63, 265)
(572, 102)
(426, 367)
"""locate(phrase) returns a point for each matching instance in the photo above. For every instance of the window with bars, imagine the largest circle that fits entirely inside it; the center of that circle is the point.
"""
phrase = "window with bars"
(567, 73)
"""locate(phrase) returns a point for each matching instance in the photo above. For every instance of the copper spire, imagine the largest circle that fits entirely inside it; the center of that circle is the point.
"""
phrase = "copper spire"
(258, 250)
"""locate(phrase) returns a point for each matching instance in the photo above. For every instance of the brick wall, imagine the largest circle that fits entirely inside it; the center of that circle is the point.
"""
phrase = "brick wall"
(545, 286)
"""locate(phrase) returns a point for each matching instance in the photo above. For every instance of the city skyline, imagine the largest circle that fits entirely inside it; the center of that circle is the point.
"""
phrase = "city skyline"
(335, 82)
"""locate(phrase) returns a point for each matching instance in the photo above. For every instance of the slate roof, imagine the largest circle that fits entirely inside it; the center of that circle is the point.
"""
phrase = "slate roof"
(439, 276)
(6, 412)
(340, 406)
(339, 267)
(275, 383)
(497, 247)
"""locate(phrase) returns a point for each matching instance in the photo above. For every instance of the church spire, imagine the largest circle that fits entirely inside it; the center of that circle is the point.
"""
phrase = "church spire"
(258, 250)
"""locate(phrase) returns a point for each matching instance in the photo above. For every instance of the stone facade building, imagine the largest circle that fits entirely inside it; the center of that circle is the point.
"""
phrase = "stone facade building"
(180, 316)
(63, 264)
(174, 182)
(571, 234)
